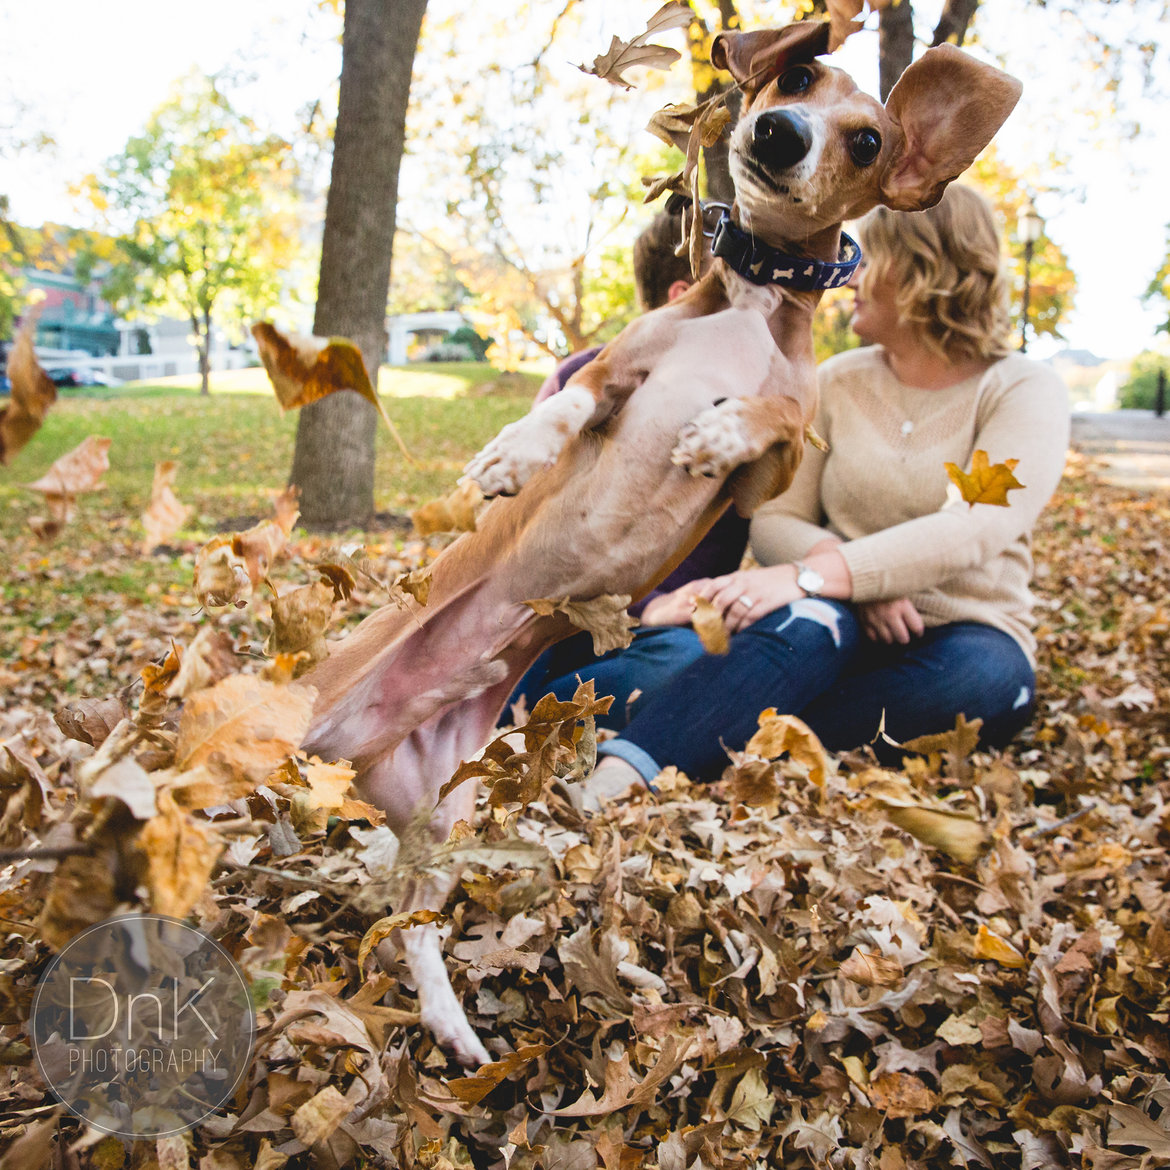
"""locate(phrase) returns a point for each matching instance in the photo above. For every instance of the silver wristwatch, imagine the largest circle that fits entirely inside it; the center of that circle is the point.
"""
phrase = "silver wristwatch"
(809, 579)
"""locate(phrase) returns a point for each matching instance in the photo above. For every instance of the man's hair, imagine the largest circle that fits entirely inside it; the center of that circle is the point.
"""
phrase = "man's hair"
(656, 267)
(946, 264)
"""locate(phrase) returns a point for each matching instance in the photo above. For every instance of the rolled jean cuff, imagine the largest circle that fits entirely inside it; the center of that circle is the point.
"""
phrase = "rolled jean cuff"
(642, 762)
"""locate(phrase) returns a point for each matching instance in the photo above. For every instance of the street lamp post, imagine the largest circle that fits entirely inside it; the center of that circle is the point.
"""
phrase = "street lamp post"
(1031, 228)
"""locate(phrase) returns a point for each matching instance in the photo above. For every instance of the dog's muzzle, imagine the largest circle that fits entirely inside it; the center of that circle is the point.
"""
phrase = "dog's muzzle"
(780, 139)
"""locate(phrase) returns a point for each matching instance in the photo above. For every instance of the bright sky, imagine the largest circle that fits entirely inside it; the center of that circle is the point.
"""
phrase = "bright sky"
(90, 74)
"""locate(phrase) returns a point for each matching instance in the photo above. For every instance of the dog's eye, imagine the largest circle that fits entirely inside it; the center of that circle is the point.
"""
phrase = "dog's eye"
(795, 80)
(865, 146)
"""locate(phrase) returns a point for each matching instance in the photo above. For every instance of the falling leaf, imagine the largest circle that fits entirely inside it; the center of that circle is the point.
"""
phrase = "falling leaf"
(708, 623)
(299, 621)
(780, 734)
(31, 395)
(416, 583)
(209, 659)
(623, 55)
(180, 855)
(385, 927)
(956, 833)
(454, 512)
(606, 617)
(987, 483)
(243, 727)
(164, 515)
(78, 471)
(221, 577)
(306, 369)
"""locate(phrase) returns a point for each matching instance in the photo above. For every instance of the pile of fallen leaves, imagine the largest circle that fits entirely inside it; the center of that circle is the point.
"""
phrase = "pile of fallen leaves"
(814, 962)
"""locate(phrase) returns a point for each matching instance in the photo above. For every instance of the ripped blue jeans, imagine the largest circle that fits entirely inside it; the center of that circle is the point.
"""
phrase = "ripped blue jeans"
(811, 659)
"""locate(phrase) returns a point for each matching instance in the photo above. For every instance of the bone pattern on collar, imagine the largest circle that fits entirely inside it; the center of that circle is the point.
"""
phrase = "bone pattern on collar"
(762, 264)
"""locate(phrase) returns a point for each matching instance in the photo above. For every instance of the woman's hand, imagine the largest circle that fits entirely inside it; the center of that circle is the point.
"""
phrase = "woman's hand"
(891, 621)
(673, 609)
(746, 596)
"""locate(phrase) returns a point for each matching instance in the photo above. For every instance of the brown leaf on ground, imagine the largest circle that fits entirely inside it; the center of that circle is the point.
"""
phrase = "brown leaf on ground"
(164, 515)
(32, 393)
(91, 720)
(986, 483)
(606, 618)
(306, 369)
(242, 728)
(622, 55)
(180, 855)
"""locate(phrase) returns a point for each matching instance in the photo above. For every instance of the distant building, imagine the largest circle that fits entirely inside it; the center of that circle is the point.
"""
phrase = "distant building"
(73, 316)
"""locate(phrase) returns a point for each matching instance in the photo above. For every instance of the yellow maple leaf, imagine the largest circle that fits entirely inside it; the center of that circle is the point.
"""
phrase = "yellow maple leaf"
(987, 482)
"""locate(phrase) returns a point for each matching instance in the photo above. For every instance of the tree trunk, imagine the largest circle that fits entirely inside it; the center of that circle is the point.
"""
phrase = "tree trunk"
(333, 464)
(202, 331)
(895, 43)
(953, 23)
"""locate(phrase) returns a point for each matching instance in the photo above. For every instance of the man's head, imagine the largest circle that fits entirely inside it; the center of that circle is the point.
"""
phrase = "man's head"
(659, 274)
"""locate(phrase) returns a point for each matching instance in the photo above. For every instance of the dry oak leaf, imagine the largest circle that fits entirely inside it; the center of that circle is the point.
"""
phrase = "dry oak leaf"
(77, 471)
(32, 393)
(180, 855)
(778, 734)
(454, 512)
(623, 55)
(221, 577)
(470, 1090)
(306, 369)
(605, 617)
(243, 728)
(872, 969)
(91, 720)
(258, 548)
(622, 1091)
(318, 1117)
(989, 945)
(164, 515)
(900, 1094)
(987, 483)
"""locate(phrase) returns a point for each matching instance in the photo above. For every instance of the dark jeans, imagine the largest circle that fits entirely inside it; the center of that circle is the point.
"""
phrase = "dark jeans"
(656, 654)
(811, 659)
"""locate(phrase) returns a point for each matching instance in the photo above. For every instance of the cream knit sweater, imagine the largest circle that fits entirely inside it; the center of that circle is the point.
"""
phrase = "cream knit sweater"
(882, 487)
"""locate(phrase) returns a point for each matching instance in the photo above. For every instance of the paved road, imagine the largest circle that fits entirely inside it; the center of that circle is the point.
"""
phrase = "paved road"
(1133, 446)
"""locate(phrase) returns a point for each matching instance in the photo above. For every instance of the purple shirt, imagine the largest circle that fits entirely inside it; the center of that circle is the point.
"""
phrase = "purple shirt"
(719, 552)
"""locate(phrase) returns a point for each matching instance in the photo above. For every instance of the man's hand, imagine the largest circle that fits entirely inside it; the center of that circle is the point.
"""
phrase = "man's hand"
(891, 621)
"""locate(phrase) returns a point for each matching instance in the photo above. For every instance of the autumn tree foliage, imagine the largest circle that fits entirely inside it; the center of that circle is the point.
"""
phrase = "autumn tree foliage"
(202, 205)
(333, 464)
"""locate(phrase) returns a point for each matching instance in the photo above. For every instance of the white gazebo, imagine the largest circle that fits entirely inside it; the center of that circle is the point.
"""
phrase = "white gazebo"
(401, 326)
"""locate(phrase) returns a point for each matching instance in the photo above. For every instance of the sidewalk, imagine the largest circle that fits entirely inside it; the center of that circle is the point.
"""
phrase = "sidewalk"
(1133, 445)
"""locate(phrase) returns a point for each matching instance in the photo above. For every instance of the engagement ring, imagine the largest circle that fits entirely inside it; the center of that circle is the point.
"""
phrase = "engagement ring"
(745, 601)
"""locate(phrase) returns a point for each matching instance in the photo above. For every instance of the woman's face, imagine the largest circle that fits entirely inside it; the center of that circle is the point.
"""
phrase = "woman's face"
(875, 313)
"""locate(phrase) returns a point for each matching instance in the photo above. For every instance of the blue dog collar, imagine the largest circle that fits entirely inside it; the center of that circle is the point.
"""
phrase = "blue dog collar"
(762, 264)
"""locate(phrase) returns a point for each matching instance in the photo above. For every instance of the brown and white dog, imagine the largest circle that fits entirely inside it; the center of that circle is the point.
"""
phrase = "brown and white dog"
(698, 405)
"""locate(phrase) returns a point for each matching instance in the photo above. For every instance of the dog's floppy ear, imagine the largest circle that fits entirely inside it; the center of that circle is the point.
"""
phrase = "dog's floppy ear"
(754, 58)
(948, 107)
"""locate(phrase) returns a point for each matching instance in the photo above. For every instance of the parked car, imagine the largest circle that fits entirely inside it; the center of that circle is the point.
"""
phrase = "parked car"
(68, 376)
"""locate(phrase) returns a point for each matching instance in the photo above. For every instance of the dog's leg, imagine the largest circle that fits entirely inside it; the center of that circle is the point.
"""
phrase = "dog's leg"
(535, 441)
(743, 430)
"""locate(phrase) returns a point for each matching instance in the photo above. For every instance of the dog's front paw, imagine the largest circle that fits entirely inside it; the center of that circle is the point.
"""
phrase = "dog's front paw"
(510, 460)
(713, 443)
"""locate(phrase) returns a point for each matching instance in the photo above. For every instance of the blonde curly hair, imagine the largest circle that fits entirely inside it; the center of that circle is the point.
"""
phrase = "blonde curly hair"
(947, 266)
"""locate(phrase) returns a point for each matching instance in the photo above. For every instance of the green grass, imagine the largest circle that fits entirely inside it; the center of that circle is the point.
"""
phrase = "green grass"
(234, 449)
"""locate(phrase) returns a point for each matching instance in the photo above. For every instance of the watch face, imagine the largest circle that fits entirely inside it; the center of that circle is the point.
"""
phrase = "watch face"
(810, 580)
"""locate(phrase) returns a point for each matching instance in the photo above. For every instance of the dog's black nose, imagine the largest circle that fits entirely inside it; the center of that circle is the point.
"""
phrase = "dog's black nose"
(780, 139)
